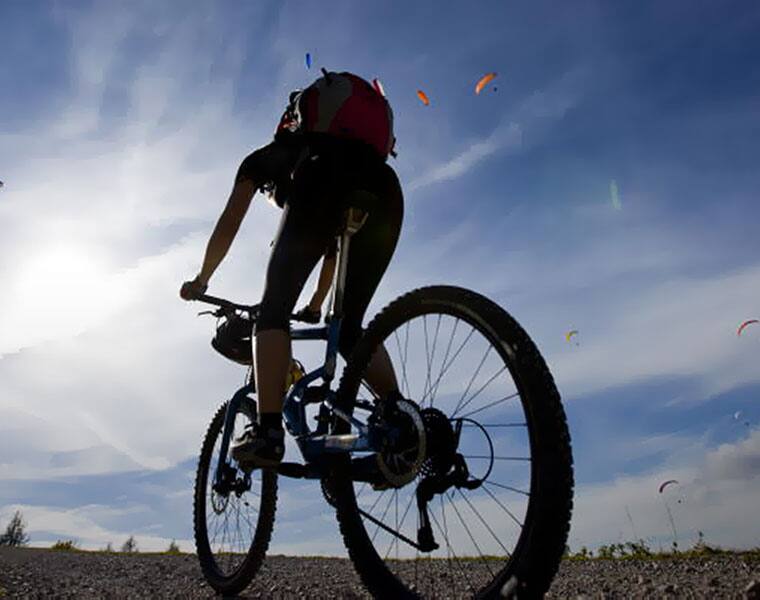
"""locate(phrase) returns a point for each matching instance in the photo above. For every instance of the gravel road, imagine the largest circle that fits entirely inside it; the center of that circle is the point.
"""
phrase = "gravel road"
(38, 573)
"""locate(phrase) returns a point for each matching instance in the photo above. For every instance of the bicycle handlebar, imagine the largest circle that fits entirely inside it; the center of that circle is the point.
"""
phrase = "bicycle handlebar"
(251, 309)
(221, 302)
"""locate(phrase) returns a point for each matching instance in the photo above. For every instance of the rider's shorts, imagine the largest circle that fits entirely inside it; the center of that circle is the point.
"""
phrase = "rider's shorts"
(311, 220)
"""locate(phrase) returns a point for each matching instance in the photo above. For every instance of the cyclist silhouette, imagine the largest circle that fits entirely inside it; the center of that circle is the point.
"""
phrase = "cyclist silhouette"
(332, 142)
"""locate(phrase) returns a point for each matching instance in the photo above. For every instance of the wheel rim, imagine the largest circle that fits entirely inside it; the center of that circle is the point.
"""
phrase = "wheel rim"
(231, 517)
(454, 365)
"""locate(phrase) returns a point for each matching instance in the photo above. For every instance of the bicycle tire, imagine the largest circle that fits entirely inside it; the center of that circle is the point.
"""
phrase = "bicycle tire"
(538, 552)
(244, 574)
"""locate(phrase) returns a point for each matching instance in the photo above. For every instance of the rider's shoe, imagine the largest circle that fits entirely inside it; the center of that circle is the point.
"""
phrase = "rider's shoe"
(258, 447)
(306, 315)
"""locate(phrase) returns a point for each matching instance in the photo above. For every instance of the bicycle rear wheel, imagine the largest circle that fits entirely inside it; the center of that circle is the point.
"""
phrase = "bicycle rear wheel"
(484, 393)
(233, 525)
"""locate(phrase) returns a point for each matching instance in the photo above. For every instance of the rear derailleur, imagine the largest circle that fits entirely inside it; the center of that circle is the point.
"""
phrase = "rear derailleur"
(459, 477)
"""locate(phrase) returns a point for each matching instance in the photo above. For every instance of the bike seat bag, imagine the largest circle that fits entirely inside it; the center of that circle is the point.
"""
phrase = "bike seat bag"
(233, 338)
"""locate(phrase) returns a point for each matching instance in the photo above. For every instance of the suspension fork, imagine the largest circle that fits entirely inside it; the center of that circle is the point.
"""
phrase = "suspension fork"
(229, 425)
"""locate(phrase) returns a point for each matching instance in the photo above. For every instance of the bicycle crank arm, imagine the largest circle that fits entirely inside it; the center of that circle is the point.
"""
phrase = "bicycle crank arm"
(300, 471)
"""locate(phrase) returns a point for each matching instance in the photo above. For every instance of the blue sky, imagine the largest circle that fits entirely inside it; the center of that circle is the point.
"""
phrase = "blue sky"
(122, 128)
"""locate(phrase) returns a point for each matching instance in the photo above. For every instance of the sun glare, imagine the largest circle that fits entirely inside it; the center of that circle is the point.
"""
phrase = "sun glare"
(62, 288)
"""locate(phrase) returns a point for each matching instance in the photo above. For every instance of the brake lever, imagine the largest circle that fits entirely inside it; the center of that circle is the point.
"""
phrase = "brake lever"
(208, 312)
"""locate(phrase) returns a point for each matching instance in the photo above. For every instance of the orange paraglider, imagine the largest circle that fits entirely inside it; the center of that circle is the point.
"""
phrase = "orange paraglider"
(484, 81)
(423, 97)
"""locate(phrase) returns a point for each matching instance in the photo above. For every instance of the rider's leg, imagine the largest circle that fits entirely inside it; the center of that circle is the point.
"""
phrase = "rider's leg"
(300, 243)
(272, 352)
(370, 252)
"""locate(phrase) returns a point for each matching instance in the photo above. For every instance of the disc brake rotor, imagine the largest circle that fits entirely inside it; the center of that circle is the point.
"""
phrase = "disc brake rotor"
(400, 462)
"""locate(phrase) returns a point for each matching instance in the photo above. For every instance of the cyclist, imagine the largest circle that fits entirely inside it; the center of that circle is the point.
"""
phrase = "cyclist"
(332, 142)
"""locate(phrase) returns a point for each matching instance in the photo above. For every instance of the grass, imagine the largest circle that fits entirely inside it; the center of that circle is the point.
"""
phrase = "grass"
(640, 550)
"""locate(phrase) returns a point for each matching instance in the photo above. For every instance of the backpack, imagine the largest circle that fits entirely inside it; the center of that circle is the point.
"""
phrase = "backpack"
(342, 106)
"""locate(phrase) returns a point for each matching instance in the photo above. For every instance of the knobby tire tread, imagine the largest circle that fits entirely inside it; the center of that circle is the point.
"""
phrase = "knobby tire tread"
(264, 523)
(538, 553)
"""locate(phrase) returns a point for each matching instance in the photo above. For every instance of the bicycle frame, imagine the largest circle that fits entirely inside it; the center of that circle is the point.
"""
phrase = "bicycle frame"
(295, 403)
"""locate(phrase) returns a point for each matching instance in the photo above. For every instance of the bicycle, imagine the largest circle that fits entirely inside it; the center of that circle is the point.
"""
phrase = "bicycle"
(436, 447)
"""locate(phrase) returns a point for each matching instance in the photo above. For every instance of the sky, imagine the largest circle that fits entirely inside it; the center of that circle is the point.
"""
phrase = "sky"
(122, 127)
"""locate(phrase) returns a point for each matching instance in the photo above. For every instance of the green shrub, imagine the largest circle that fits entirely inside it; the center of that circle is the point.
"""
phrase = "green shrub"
(64, 546)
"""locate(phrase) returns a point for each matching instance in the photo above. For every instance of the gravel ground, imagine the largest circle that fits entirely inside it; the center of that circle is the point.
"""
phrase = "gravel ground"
(38, 573)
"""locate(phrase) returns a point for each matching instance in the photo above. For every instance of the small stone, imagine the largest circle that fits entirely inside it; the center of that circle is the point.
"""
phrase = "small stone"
(752, 591)
(641, 580)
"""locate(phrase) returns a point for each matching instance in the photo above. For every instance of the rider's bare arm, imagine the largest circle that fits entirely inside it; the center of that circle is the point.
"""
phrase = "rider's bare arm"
(227, 227)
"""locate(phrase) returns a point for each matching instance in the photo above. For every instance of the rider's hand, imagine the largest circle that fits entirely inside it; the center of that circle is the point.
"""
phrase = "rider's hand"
(190, 290)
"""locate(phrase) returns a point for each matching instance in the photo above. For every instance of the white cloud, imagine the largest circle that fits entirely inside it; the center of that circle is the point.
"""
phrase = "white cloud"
(46, 525)
(716, 494)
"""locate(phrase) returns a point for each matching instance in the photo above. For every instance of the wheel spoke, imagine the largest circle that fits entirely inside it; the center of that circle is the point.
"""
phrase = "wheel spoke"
(402, 358)
(504, 508)
(434, 387)
(469, 534)
(400, 525)
(494, 403)
(452, 553)
(482, 520)
(506, 487)
(382, 518)
(451, 362)
(483, 387)
(472, 380)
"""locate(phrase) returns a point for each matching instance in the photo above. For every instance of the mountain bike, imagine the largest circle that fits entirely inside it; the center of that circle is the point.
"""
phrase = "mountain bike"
(461, 481)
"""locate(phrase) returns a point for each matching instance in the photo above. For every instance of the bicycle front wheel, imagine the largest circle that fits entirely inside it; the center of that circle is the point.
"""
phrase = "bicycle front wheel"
(233, 523)
(496, 453)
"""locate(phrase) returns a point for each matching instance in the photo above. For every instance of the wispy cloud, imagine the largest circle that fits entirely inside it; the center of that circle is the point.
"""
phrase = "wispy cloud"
(534, 114)
(504, 137)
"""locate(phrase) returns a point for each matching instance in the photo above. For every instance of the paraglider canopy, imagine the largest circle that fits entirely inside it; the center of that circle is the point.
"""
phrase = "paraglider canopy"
(743, 325)
(569, 335)
(423, 97)
(483, 82)
(378, 86)
(308, 60)
(665, 484)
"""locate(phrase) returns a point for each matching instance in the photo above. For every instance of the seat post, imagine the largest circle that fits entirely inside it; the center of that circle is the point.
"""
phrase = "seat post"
(355, 218)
